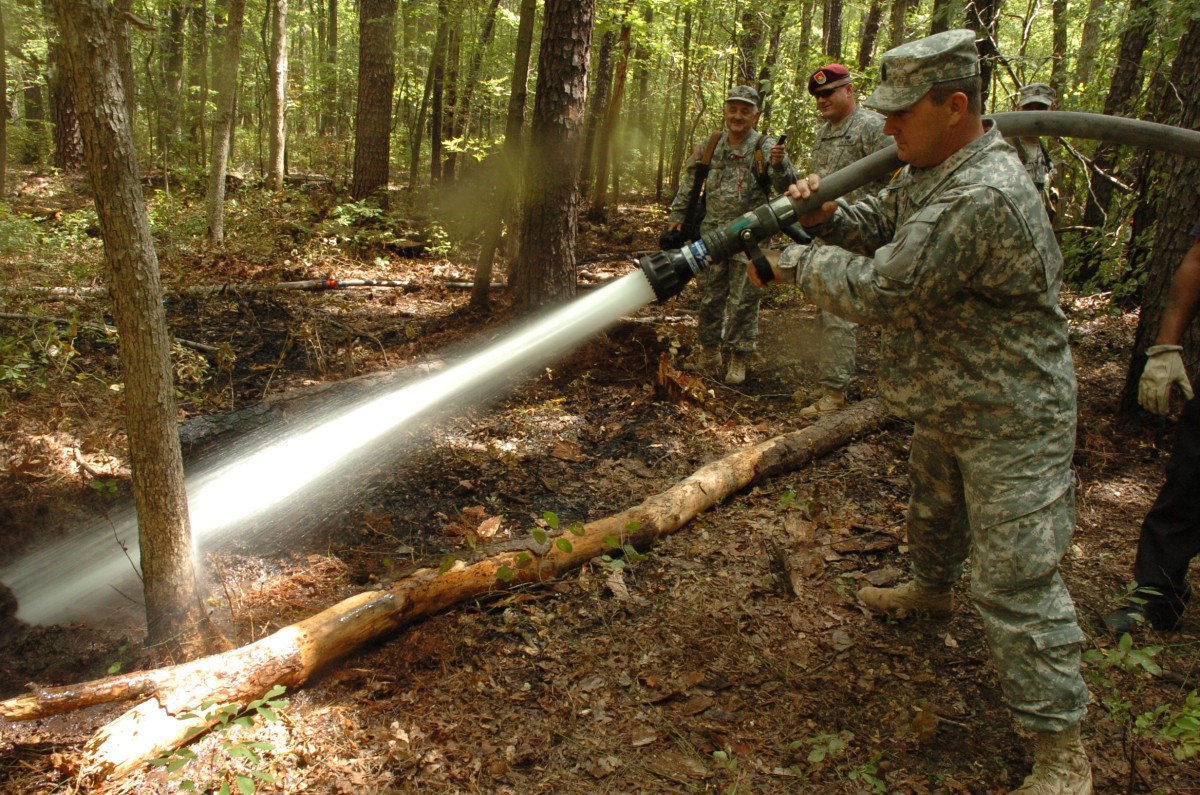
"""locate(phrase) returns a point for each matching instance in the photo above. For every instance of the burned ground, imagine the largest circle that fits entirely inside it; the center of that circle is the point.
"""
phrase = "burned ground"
(700, 668)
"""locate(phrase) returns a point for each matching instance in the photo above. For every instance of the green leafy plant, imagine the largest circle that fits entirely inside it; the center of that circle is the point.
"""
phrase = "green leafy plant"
(236, 764)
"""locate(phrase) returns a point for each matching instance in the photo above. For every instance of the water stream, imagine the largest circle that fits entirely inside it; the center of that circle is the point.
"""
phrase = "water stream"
(252, 488)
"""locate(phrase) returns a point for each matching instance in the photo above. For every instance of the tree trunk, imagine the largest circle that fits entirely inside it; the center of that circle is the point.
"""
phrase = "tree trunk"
(291, 655)
(223, 124)
(376, 79)
(437, 78)
(172, 97)
(68, 148)
(607, 149)
(982, 16)
(1089, 44)
(198, 81)
(3, 107)
(451, 98)
(870, 32)
(278, 94)
(1176, 212)
(173, 601)
(1122, 96)
(767, 74)
(329, 85)
(941, 17)
(1058, 68)
(898, 27)
(515, 121)
(600, 93)
(463, 108)
(678, 154)
(550, 210)
(749, 45)
(832, 25)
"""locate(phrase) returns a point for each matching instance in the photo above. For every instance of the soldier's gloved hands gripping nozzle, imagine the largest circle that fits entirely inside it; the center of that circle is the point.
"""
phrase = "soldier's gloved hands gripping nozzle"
(669, 271)
(1164, 368)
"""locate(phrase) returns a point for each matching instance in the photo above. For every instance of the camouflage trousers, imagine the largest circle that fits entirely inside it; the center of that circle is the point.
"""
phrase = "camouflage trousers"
(729, 304)
(836, 355)
(1010, 504)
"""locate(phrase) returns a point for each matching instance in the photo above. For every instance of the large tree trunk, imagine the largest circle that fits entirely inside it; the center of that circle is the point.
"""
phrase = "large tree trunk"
(278, 94)
(1176, 212)
(329, 82)
(511, 154)
(223, 124)
(291, 655)
(171, 127)
(899, 22)
(1058, 69)
(68, 148)
(376, 79)
(1089, 43)
(545, 271)
(1122, 96)
(173, 604)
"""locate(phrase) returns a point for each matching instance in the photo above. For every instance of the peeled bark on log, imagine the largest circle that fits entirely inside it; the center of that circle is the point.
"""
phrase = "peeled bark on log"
(291, 655)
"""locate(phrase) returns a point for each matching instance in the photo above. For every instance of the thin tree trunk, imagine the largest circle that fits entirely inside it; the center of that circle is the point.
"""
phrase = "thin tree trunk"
(1089, 43)
(173, 601)
(898, 23)
(278, 94)
(678, 154)
(437, 72)
(831, 23)
(982, 16)
(1058, 68)
(451, 99)
(3, 107)
(329, 85)
(463, 109)
(607, 149)
(600, 93)
(510, 181)
(767, 74)
(748, 45)
(198, 81)
(223, 124)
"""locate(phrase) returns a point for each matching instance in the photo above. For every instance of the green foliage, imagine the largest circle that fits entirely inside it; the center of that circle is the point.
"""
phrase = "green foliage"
(18, 233)
(235, 763)
(831, 751)
(1119, 676)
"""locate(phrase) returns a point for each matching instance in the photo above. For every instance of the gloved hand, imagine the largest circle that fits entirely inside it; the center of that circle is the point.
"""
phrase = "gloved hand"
(1164, 367)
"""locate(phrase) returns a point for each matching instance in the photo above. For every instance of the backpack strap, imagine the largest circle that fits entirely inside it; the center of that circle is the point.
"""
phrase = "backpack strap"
(711, 147)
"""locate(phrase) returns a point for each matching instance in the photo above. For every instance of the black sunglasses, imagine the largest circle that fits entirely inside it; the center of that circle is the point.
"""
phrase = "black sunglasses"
(826, 93)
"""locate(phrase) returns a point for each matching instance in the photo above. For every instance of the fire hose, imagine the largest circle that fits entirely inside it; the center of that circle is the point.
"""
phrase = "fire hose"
(669, 271)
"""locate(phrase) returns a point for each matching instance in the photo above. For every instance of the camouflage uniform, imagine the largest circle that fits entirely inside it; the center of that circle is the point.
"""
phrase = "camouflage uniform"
(837, 146)
(958, 265)
(729, 300)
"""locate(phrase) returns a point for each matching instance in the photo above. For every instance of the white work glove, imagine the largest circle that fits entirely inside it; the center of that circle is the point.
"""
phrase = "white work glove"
(1164, 367)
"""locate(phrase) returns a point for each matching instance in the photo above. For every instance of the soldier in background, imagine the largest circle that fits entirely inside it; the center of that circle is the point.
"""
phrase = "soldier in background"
(850, 132)
(747, 169)
(957, 263)
(1031, 150)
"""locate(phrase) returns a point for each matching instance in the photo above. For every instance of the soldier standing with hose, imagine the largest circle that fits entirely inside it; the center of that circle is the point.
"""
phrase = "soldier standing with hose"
(957, 263)
(746, 169)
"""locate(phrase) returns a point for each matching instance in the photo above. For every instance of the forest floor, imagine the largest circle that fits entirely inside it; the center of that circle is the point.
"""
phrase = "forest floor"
(695, 671)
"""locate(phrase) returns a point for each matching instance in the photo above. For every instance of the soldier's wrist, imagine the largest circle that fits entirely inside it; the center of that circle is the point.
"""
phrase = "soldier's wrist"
(1155, 350)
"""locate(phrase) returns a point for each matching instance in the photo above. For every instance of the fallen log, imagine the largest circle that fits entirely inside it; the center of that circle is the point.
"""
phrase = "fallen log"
(291, 655)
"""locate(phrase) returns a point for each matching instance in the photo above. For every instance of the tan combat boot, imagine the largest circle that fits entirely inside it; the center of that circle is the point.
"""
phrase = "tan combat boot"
(912, 597)
(1060, 766)
(832, 400)
(736, 374)
(703, 360)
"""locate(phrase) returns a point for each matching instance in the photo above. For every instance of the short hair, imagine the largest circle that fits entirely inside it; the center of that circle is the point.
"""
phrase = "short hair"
(967, 85)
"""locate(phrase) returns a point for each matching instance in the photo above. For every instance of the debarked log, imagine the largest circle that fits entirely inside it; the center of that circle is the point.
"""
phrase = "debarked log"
(291, 655)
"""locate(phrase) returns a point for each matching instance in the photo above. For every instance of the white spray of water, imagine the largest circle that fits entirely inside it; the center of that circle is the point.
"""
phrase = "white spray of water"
(66, 579)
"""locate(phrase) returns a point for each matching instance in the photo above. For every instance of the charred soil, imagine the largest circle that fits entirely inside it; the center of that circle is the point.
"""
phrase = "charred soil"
(703, 667)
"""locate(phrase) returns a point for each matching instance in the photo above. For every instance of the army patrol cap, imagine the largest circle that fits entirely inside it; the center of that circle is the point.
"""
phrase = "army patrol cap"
(1037, 93)
(907, 72)
(743, 94)
(829, 76)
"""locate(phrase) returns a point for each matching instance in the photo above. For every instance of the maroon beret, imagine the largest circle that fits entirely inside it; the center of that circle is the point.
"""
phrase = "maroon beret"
(829, 76)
